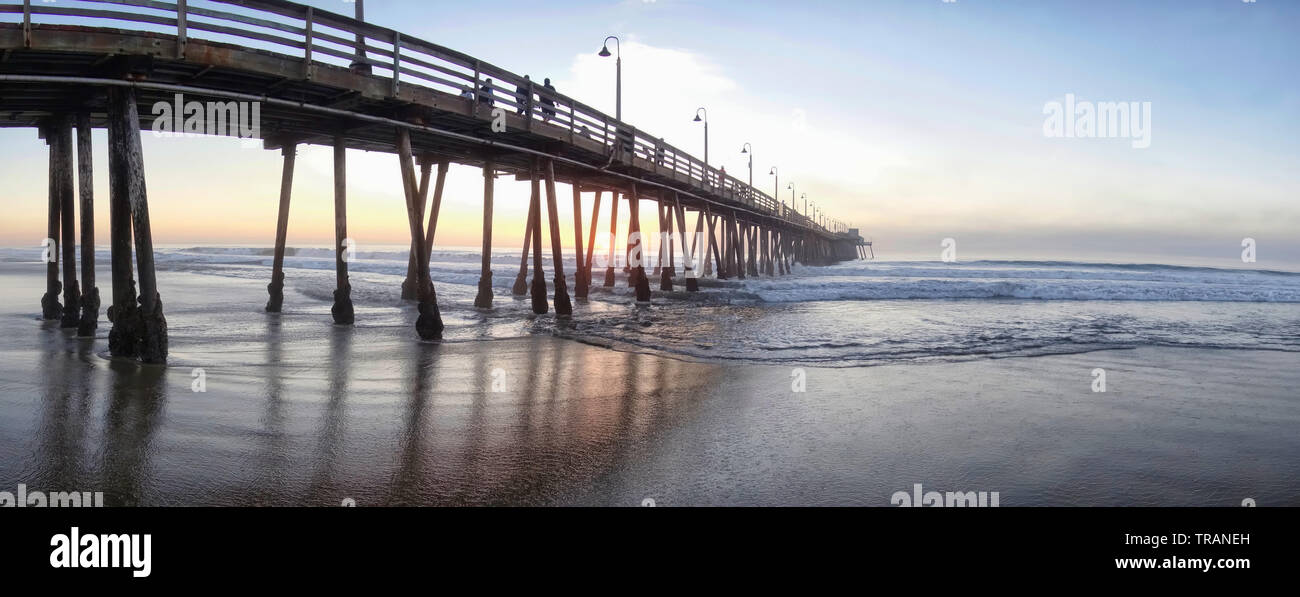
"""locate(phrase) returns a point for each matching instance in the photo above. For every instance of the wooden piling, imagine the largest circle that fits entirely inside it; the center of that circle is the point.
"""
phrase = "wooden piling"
(152, 339)
(715, 248)
(438, 185)
(639, 246)
(123, 336)
(613, 237)
(689, 264)
(409, 291)
(780, 253)
(724, 245)
(672, 251)
(563, 306)
(700, 221)
(591, 240)
(62, 135)
(276, 288)
(89, 320)
(429, 323)
(580, 283)
(747, 254)
(659, 259)
(665, 246)
(342, 310)
(483, 299)
(737, 246)
(641, 283)
(521, 281)
(50, 307)
(538, 289)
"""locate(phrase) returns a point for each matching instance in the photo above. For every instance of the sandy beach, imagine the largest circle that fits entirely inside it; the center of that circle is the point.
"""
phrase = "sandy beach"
(297, 411)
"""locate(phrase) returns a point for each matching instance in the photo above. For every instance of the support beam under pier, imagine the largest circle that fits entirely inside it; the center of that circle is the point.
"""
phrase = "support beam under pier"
(538, 289)
(483, 299)
(86, 187)
(342, 310)
(563, 307)
(580, 283)
(429, 323)
(61, 136)
(151, 330)
(50, 307)
(276, 288)
(641, 282)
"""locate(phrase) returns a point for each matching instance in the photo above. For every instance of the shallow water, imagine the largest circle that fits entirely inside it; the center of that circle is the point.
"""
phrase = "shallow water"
(298, 411)
(851, 314)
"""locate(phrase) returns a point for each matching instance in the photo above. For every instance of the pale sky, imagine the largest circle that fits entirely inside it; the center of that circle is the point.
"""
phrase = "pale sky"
(916, 120)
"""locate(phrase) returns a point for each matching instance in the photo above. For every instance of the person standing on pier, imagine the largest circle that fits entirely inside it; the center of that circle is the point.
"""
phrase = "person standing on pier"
(548, 101)
(485, 93)
(524, 97)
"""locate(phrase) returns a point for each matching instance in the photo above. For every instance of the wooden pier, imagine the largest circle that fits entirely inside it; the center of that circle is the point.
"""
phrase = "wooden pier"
(320, 78)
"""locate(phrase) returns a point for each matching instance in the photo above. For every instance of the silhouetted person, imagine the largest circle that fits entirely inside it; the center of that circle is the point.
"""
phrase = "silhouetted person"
(548, 104)
(485, 93)
(524, 97)
(626, 140)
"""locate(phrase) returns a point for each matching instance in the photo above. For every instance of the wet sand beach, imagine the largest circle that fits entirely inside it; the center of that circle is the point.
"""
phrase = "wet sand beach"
(297, 411)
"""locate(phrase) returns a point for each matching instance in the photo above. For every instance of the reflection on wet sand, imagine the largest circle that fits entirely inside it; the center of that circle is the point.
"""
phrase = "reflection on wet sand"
(322, 488)
(421, 379)
(272, 440)
(300, 413)
(136, 396)
(66, 410)
(73, 452)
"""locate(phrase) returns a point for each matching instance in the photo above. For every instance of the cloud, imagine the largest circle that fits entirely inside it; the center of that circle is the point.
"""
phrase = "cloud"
(663, 87)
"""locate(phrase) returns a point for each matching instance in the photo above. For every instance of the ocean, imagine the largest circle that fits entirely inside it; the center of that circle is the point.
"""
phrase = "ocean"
(852, 314)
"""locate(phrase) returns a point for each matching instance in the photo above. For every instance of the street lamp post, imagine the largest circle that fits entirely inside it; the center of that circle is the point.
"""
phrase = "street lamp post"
(618, 74)
(359, 63)
(747, 149)
(706, 132)
(776, 186)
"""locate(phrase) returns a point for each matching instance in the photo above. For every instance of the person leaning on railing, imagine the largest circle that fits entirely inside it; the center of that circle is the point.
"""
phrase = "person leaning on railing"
(485, 93)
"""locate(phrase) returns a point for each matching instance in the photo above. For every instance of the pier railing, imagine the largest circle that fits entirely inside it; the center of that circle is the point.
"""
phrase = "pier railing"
(320, 37)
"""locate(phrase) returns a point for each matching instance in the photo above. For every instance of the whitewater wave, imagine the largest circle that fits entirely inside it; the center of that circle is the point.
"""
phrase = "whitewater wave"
(849, 281)
(850, 314)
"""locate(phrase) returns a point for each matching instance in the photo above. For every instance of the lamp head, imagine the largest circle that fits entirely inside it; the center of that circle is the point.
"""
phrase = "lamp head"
(604, 51)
